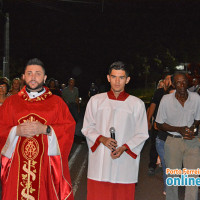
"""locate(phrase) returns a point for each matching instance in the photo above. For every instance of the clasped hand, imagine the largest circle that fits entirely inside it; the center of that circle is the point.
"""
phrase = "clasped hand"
(187, 133)
(30, 129)
(112, 145)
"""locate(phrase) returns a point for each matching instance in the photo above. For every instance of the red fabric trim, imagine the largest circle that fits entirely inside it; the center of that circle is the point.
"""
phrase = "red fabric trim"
(129, 152)
(99, 190)
(122, 96)
(56, 174)
(23, 94)
(96, 144)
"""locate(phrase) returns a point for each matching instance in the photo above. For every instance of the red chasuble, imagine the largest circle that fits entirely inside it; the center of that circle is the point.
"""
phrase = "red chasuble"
(31, 173)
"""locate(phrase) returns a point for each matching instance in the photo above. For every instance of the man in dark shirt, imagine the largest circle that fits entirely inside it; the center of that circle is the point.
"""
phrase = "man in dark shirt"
(93, 90)
(152, 112)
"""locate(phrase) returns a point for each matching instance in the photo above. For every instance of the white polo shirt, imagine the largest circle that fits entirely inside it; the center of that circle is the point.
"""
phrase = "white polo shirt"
(171, 112)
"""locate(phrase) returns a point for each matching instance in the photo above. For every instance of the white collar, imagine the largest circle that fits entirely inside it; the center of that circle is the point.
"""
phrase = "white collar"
(33, 95)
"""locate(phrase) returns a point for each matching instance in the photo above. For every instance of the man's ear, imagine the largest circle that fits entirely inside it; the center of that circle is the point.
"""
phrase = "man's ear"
(45, 77)
(23, 76)
(108, 77)
(128, 79)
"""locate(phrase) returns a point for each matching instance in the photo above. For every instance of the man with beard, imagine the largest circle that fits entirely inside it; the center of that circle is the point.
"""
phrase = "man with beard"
(37, 132)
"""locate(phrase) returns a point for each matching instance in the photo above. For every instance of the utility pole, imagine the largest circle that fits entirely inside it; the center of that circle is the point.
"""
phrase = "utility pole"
(102, 6)
(6, 48)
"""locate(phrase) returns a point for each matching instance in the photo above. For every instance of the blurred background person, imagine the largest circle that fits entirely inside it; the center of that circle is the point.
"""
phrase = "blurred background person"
(15, 87)
(195, 86)
(171, 88)
(53, 88)
(151, 115)
(70, 95)
(21, 82)
(93, 90)
(160, 84)
(6, 80)
(63, 85)
(3, 91)
(160, 141)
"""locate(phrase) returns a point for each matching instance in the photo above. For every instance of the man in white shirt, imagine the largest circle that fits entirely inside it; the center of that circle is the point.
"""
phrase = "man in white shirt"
(179, 115)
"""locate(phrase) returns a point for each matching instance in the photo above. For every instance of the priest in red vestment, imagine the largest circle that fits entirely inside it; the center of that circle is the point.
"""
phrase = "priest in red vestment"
(114, 161)
(36, 135)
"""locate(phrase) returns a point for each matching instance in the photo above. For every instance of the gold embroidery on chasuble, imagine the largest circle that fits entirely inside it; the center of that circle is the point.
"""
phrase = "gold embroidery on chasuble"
(23, 94)
(30, 154)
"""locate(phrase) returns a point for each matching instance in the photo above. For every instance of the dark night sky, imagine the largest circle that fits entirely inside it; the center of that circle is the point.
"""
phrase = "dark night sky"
(80, 40)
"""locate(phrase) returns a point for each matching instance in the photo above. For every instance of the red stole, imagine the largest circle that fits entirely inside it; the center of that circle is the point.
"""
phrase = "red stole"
(30, 153)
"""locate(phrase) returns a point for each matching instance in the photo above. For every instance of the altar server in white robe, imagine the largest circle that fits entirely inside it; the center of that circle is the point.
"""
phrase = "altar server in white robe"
(114, 163)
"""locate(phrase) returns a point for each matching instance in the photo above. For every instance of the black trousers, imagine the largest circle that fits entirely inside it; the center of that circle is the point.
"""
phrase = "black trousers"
(153, 155)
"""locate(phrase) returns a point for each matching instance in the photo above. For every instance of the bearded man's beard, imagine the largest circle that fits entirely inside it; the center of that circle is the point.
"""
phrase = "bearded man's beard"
(36, 88)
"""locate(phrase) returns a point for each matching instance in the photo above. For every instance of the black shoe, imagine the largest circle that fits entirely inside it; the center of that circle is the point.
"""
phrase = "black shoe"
(151, 171)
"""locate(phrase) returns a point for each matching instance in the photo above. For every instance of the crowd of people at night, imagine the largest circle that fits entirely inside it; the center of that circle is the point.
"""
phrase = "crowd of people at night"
(37, 130)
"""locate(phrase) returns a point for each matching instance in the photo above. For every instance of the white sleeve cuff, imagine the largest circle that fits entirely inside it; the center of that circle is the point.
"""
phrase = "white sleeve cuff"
(10, 144)
(53, 147)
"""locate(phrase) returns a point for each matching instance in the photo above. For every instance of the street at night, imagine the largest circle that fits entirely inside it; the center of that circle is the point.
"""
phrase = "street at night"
(70, 46)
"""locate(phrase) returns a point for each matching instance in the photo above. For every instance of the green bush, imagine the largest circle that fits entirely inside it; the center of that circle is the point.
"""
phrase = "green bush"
(142, 93)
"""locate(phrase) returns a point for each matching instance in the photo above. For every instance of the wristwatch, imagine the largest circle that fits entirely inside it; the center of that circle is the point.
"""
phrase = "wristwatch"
(48, 130)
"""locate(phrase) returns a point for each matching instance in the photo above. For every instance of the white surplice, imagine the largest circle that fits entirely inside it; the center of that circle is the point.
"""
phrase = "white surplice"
(129, 119)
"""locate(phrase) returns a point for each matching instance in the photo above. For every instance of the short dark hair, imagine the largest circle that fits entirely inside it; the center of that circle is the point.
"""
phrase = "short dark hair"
(2, 82)
(35, 61)
(51, 80)
(119, 65)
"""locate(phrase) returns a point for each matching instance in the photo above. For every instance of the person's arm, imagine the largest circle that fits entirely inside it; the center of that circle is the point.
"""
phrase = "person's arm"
(167, 127)
(78, 104)
(186, 132)
(64, 95)
(150, 113)
(77, 100)
(154, 102)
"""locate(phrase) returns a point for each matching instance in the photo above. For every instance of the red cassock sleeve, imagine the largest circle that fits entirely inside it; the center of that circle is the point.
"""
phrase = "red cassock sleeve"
(6, 122)
(64, 127)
